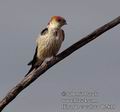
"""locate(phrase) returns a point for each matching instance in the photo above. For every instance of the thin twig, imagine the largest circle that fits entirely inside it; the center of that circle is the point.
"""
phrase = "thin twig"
(44, 67)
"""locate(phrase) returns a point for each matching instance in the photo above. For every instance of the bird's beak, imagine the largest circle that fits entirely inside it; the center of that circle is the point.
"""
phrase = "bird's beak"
(65, 23)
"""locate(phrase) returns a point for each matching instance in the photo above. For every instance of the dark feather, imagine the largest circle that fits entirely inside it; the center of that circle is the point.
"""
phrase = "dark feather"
(63, 33)
(44, 31)
(29, 70)
(32, 62)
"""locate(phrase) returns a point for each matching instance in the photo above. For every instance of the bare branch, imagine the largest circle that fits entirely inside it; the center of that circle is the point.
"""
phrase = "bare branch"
(44, 67)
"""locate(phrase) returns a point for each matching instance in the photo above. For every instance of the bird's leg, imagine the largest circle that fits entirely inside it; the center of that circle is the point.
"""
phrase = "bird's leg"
(54, 57)
(44, 64)
(47, 60)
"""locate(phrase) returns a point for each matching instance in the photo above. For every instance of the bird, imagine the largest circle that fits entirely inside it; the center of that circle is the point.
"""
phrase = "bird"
(48, 42)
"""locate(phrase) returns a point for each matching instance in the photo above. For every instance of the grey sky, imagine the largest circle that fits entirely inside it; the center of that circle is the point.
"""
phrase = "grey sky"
(95, 67)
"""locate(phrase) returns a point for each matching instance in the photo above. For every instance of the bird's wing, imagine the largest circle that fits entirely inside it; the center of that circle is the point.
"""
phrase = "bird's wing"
(44, 31)
(63, 35)
(32, 62)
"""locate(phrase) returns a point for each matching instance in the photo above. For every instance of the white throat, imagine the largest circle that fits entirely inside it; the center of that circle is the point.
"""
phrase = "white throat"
(53, 26)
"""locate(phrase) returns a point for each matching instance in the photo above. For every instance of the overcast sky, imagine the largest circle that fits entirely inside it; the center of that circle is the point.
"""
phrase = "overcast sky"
(93, 68)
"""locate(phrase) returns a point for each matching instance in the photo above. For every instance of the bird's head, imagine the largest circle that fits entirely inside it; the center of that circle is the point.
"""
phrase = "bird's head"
(56, 22)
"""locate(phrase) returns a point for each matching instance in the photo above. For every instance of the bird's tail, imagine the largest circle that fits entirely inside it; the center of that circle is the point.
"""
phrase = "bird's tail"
(30, 70)
(35, 66)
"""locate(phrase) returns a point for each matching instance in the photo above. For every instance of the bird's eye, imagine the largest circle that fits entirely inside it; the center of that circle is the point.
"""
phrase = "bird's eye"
(59, 20)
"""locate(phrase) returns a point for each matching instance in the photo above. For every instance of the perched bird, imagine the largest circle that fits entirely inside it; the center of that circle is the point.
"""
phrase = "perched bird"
(48, 42)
